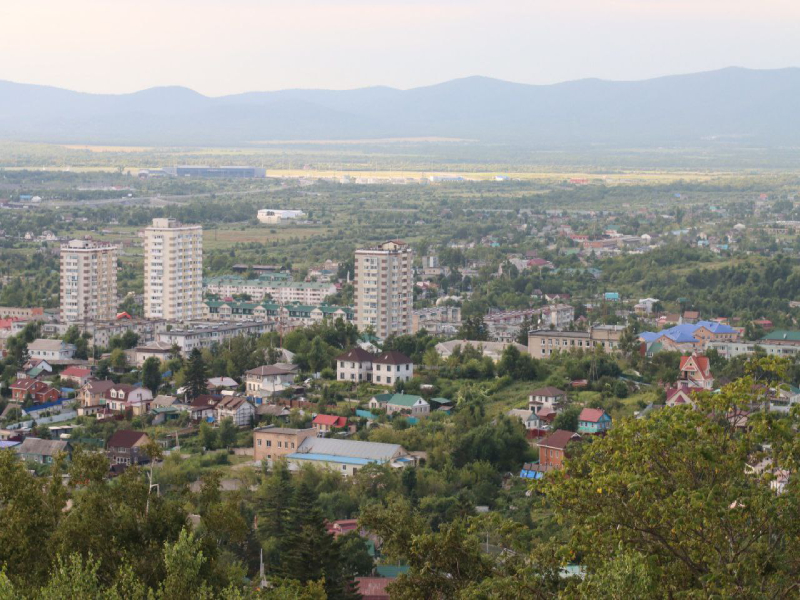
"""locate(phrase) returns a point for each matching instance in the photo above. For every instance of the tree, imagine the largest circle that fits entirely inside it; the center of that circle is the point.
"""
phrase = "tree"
(151, 374)
(670, 500)
(103, 371)
(184, 560)
(118, 359)
(227, 433)
(473, 328)
(208, 436)
(196, 380)
(317, 356)
(567, 420)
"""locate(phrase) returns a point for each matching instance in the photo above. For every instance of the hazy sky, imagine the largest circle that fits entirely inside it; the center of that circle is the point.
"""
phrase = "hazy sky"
(227, 46)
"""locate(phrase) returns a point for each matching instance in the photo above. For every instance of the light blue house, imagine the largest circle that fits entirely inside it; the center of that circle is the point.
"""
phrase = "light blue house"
(593, 420)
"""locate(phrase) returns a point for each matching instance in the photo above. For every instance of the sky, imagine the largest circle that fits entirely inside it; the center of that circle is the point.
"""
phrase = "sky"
(221, 47)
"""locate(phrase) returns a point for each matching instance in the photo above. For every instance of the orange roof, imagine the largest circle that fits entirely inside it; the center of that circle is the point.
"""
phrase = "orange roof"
(330, 420)
(701, 362)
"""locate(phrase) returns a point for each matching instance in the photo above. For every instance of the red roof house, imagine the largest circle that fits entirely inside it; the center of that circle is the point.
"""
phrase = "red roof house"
(78, 375)
(327, 423)
(696, 372)
(374, 588)
(39, 391)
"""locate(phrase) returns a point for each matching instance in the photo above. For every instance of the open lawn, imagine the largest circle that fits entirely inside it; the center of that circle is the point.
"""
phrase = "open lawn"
(228, 235)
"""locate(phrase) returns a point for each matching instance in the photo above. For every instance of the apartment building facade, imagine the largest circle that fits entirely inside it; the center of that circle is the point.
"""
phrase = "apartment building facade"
(88, 281)
(543, 342)
(173, 270)
(383, 288)
(277, 286)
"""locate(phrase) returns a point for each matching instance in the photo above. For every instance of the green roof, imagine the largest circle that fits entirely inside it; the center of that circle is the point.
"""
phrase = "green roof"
(408, 400)
(392, 570)
(782, 335)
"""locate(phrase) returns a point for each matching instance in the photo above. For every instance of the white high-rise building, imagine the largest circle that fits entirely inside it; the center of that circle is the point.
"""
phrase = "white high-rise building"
(173, 270)
(384, 288)
(88, 281)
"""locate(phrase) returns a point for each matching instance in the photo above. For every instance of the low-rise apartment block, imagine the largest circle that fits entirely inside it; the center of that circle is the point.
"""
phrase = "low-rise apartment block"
(543, 342)
(277, 286)
(291, 315)
(444, 320)
(204, 335)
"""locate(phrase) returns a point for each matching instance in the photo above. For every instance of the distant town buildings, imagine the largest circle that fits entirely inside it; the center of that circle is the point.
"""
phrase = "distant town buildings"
(88, 281)
(275, 216)
(383, 288)
(207, 172)
(437, 320)
(173, 270)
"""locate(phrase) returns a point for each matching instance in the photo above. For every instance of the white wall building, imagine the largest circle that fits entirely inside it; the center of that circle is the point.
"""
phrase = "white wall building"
(88, 281)
(274, 216)
(51, 350)
(383, 288)
(173, 270)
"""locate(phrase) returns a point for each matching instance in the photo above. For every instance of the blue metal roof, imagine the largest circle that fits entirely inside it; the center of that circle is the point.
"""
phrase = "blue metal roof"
(347, 460)
(715, 327)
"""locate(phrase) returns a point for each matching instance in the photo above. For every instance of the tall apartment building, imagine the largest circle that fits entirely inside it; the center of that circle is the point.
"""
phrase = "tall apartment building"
(173, 270)
(383, 288)
(88, 281)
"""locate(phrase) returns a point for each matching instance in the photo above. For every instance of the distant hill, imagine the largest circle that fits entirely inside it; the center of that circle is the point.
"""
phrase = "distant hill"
(739, 106)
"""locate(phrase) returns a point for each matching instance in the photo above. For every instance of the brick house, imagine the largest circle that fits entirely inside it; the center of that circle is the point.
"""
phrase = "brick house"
(39, 391)
(552, 449)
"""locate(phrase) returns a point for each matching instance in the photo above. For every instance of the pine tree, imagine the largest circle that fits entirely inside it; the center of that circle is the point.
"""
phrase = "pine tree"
(196, 376)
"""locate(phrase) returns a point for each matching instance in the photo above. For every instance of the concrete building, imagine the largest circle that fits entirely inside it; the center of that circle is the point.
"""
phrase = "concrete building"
(437, 320)
(278, 286)
(173, 270)
(272, 216)
(383, 288)
(88, 281)
(204, 335)
(272, 442)
(543, 342)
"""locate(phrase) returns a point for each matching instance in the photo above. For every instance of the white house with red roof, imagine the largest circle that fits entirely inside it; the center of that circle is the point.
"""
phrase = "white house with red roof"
(78, 376)
(695, 371)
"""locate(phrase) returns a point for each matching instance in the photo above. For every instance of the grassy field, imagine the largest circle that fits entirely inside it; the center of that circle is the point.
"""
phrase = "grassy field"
(228, 235)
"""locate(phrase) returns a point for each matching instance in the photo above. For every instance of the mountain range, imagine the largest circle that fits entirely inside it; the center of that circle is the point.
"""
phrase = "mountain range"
(728, 106)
